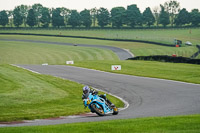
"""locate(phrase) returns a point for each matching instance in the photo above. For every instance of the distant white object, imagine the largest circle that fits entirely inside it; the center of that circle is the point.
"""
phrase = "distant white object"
(116, 67)
(188, 43)
(69, 62)
(45, 64)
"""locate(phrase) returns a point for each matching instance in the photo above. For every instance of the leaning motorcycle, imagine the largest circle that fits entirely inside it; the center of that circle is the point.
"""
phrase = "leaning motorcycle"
(99, 106)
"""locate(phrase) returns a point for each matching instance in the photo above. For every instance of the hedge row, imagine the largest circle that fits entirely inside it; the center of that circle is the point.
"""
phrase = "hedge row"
(165, 58)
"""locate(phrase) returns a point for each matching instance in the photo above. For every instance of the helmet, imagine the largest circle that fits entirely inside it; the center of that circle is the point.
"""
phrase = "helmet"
(86, 89)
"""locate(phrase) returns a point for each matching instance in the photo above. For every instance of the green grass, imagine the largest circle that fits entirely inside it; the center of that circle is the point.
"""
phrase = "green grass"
(25, 95)
(173, 71)
(38, 53)
(177, 124)
(157, 35)
(138, 49)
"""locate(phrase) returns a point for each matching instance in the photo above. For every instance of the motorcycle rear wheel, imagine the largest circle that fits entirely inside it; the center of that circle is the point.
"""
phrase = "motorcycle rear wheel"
(99, 111)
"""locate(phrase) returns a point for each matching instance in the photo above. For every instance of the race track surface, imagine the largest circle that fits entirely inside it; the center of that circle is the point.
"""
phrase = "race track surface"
(146, 96)
(121, 53)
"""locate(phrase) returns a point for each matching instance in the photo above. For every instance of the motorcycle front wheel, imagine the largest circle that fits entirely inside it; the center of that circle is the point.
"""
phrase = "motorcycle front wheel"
(115, 111)
(99, 111)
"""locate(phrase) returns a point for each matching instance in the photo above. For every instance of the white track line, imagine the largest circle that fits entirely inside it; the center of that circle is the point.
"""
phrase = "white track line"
(25, 69)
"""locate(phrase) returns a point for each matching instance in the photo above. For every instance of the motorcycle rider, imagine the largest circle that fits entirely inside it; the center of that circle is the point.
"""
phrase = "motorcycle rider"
(87, 90)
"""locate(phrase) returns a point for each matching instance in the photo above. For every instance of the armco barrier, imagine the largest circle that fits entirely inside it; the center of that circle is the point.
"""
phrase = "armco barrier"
(166, 58)
(98, 38)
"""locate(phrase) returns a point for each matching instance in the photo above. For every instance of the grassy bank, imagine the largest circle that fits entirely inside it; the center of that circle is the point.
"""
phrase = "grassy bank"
(178, 124)
(138, 49)
(25, 95)
(157, 35)
(38, 53)
(173, 71)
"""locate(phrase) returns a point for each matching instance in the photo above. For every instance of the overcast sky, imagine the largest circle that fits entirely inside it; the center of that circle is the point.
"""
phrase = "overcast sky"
(88, 4)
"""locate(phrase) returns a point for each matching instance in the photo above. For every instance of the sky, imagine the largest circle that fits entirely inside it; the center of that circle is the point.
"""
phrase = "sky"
(88, 4)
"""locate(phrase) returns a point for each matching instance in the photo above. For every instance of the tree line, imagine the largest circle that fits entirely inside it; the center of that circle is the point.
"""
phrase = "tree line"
(37, 15)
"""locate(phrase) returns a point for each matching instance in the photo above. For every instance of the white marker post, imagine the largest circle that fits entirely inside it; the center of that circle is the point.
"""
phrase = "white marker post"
(45, 64)
(116, 67)
(69, 62)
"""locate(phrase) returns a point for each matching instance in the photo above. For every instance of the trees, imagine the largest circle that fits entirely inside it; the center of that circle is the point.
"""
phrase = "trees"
(156, 15)
(65, 13)
(164, 17)
(57, 19)
(183, 17)
(31, 20)
(10, 17)
(169, 13)
(17, 17)
(134, 16)
(172, 7)
(45, 19)
(86, 18)
(37, 8)
(24, 12)
(148, 17)
(103, 17)
(195, 17)
(3, 18)
(74, 18)
(94, 15)
(118, 16)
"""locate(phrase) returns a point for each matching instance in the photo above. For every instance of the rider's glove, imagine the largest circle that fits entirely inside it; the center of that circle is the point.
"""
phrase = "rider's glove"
(94, 92)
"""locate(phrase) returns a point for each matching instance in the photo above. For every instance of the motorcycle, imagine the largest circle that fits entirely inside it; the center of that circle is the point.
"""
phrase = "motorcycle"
(99, 105)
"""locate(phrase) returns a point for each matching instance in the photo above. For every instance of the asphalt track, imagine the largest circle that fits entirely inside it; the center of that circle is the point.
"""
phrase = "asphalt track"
(121, 53)
(146, 96)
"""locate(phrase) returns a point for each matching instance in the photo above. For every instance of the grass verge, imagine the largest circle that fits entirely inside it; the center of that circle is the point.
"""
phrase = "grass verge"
(38, 53)
(25, 95)
(173, 71)
(177, 124)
